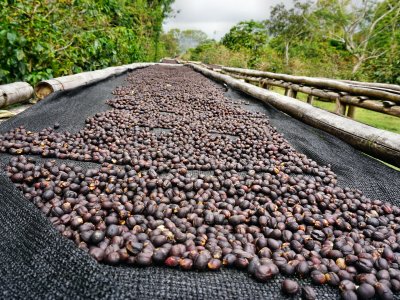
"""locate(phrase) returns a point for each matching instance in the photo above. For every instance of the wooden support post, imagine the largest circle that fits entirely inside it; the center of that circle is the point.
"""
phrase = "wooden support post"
(294, 94)
(351, 111)
(310, 99)
(264, 85)
(287, 91)
(290, 92)
(340, 107)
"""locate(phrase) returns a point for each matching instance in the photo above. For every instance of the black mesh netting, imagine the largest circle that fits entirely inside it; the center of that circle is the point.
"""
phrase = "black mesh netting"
(37, 262)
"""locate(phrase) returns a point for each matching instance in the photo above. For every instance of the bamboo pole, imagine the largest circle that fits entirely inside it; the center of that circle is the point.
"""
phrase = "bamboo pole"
(322, 83)
(380, 143)
(46, 87)
(387, 86)
(16, 92)
(373, 105)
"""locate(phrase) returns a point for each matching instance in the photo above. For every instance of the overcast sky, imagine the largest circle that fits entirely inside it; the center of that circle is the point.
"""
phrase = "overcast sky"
(216, 17)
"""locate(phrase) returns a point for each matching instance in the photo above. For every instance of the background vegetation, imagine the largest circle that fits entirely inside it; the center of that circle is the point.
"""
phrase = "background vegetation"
(40, 39)
(324, 38)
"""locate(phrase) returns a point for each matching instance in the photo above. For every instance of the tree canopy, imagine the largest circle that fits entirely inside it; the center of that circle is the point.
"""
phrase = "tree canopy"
(248, 34)
(44, 39)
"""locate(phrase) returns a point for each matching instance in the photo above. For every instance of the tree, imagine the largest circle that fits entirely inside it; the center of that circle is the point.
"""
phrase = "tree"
(189, 38)
(356, 25)
(248, 34)
(289, 25)
(170, 43)
(386, 68)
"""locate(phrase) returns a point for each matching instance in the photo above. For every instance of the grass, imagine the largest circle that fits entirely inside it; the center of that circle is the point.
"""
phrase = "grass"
(372, 118)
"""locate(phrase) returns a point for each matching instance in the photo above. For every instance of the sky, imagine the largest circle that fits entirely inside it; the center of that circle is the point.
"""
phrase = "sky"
(216, 17)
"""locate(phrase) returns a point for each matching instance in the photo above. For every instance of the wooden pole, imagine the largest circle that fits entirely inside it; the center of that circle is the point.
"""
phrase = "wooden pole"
(46, 87)
(351, 111)
(310, 99)
(16, 92)
(340, 108)
(264, 84)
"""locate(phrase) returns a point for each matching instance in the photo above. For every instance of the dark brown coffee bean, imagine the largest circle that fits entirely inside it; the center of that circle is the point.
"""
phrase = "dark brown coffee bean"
(290, 287)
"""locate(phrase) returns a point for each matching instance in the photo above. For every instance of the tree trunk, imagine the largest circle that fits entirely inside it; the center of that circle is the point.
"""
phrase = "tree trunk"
(358, 64)
(287, 53)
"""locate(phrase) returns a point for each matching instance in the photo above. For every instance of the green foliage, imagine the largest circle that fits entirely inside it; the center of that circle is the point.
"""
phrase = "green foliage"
(386, 68)
(170, 44)
(248, 35)
(289, 26)
(44, 39)
(216, 53)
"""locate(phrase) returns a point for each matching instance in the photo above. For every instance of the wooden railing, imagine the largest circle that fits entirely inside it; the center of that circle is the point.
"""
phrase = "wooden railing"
(382, 144)
(383, 98)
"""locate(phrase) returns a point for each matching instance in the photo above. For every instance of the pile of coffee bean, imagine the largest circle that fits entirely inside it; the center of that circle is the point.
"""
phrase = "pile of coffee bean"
(187, 180)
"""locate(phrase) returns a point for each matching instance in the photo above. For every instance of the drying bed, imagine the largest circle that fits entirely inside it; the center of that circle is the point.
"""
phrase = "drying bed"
(174, 170)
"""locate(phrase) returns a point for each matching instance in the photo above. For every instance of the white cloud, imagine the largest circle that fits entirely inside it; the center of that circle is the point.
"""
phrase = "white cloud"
(216, 17)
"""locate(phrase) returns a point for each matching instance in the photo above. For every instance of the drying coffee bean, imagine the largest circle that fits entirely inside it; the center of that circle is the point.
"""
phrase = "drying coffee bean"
(383, 292)
(308, 293)
(349, 295)
(172, 261)
(144, 258)
(264, 272)
(365, 291)
(302, 269)
(214, 264)
(48, 195)
(160, 255)
(97, 253)
(201, 261)
(332, 279)
(112, 230)
(347, 285)
(97, 236)
(290, 287)
(318, 277)
(186, 263)
(159, 240)
(112, 258)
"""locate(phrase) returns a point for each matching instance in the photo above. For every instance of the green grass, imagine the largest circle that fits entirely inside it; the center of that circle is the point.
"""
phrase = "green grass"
(372, 118)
